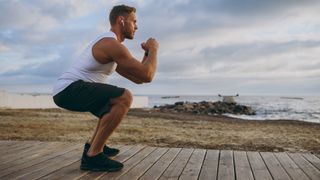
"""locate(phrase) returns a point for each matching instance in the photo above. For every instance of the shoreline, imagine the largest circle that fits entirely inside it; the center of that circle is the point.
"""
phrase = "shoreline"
(146, 126)
(140, 112)
(266, 107)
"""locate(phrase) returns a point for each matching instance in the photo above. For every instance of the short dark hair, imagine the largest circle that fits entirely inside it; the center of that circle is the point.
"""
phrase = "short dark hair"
(120, 10)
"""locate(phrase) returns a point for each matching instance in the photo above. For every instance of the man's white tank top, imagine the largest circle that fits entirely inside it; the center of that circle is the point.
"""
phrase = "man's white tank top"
(86, 68)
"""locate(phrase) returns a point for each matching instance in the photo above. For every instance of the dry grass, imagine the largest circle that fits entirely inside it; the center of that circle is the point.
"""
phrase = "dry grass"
(159, 129)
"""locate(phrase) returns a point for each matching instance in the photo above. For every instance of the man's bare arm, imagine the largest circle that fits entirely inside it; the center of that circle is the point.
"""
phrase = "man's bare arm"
(143, 46)
(108, 49)
(144, 58)
(128, 76)
(151, 61)
(142, 71)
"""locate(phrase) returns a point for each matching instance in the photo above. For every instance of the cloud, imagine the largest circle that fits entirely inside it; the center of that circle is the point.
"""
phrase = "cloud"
(205, 46)
(263, 59)
(197, 15)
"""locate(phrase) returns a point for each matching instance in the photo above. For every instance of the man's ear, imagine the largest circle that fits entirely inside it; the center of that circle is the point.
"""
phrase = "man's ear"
(120, 19)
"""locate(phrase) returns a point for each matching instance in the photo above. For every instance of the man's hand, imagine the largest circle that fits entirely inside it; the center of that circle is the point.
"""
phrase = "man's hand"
(151, 44)
(143, 46)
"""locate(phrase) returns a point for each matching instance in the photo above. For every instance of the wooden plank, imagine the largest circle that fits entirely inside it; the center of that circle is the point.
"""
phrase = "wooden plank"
(274, 166)
(21, 167)
(5, 147)
(226, 165)
(23, 153)
(292, 169)
(193, 167)
(210, 165)
(258, 167)
(242, 166)
(314, 160)
(29, 159)
(17, 144)
(8, 154)
(11, 145)
(73, 171)
(144, 165)
(311, 171)
(52, 165)
(160, 166)
(41, 165)
(44, 160)
(122, 158)
(12, 151)
(5, 144)
(133, 161)
(49, 148)
(177, 166)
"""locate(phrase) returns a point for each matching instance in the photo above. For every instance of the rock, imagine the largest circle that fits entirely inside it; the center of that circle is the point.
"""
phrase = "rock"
(179, 103)
(208, 108)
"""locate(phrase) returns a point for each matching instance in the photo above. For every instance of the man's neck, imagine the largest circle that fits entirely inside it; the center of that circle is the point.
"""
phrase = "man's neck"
(118, 33)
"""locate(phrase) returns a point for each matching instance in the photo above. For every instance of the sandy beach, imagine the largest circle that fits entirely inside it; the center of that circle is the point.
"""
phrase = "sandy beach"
(151, 127)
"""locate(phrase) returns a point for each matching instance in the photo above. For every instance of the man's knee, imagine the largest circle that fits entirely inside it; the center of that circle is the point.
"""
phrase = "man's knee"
(125, 99)
(128, 97)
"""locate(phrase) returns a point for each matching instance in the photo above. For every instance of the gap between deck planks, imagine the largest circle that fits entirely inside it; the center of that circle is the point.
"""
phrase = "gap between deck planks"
(61, 160)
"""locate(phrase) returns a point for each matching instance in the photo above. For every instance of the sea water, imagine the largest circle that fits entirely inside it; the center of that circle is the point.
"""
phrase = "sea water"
(304, 108)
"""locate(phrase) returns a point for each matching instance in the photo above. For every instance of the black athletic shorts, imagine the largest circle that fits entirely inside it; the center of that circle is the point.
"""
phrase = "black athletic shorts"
(88, 97)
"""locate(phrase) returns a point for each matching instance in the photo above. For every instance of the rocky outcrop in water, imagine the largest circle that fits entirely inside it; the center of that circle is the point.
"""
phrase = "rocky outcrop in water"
(207, 108)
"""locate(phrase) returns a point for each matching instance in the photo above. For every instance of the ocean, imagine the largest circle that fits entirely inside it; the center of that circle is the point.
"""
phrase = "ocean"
(303, 108)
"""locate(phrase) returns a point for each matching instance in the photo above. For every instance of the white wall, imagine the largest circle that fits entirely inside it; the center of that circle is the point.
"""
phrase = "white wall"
(140, 102)
(28, 101)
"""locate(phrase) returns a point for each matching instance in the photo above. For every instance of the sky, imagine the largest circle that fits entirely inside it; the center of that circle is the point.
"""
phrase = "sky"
(207, 47)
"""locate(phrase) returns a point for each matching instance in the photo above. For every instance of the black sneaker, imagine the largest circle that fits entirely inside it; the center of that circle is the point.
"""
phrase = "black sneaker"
(99, 162)
(106, 150)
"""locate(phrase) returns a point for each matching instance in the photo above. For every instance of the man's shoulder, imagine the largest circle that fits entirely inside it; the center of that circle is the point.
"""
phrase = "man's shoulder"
(108, 41)
(109, 48)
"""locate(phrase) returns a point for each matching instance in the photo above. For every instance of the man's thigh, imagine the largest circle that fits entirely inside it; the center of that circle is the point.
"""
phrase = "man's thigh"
(88, 96)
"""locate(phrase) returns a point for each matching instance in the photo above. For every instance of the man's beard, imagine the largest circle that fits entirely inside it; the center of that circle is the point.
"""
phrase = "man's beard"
(127, 35)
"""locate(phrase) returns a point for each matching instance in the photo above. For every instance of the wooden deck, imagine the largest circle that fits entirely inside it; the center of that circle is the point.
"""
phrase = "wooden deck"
(56, 160)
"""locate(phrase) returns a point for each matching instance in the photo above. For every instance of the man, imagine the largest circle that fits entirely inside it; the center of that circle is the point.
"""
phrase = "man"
(82, 87)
